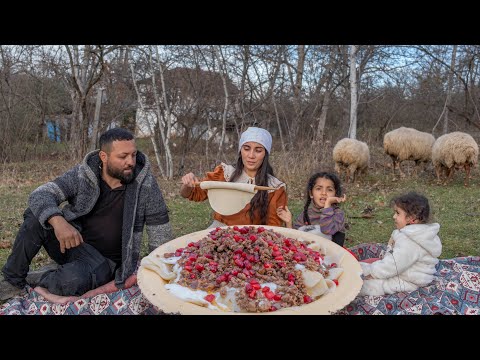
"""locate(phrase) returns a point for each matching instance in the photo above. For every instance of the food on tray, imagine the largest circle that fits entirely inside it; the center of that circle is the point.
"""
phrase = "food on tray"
(248, 269)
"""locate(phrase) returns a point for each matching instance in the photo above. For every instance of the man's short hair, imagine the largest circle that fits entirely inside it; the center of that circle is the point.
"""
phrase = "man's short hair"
(115, 134)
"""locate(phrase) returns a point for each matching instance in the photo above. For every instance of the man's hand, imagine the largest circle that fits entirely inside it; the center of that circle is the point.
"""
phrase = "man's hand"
(66, 234)
(334, 200)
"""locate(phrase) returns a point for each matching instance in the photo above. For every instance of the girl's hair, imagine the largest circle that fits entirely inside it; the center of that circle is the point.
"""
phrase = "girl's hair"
(260, 200)
(414, 205)
(311, 183)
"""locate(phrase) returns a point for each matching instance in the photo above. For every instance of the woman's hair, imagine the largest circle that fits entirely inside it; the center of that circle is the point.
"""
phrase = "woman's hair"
(311, 183)
(414, 205)
(260, 199)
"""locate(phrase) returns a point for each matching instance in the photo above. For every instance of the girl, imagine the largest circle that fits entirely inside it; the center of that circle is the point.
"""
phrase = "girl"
(252, 167)
(412, 251)
(321, 214)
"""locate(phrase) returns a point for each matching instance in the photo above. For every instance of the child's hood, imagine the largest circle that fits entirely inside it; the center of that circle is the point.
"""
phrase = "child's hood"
(426, 236)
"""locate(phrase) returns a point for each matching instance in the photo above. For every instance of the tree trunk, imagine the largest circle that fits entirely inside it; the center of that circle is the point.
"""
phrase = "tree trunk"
(223, 71)
(352, 132)
(149, 126)
(96, 120)
(449, 89)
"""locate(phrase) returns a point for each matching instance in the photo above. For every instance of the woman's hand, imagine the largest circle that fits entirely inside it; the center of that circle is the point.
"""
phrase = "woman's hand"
(188, 183)
(189, 180)
(285, 215)
(335, 200)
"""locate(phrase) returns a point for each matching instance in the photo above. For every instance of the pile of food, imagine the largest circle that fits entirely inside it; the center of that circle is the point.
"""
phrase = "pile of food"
(247, 269)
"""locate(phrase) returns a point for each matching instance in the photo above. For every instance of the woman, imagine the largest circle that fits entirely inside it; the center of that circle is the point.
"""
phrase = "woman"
(252, 167)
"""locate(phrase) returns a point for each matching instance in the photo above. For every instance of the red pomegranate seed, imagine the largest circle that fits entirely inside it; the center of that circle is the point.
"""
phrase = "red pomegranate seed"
(253, 238)
(275, 248)
(248, 287)
(234, 272)
(191, 244)
(221, 279)
(252, 294)
(209, 297)
(244, 255)
(291, 277)
(269, 295)
(277, 297)
(335, 281)
(236, 228)
(333, 265)
(265, 288)
(238, 251)
(253, 281)
(260, 229)
(193, 276)
(307, 299)
(267, 265)
(239, 262)
(276, 253)
(188, 268)
(272, 308)
(280, 257)
(209, 256)
(199, 267)
(256, 286)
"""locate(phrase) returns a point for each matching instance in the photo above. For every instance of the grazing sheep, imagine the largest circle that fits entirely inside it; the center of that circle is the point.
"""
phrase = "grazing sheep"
(408, 144)
(352, 155)
(454, 150)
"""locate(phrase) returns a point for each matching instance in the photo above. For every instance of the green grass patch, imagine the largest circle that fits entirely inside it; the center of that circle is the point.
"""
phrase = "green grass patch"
(455, 207)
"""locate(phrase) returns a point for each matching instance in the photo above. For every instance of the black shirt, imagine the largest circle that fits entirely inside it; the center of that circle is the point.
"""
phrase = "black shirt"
(102, 227)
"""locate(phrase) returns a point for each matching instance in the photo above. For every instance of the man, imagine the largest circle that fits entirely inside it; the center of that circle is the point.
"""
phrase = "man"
(96, 237)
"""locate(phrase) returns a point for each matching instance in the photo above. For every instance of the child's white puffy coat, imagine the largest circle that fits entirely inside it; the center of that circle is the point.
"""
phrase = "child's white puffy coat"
(408, 265)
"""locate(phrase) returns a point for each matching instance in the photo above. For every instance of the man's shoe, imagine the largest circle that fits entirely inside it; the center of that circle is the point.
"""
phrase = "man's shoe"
(8, 291)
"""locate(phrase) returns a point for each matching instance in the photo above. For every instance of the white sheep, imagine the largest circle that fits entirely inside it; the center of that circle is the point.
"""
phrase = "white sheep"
(408, 144)
(454, 150)
(353, 155)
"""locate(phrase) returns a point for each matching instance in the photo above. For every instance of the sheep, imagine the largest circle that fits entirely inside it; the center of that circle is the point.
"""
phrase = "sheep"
(408, 144)
(352, 154)
(454, 150)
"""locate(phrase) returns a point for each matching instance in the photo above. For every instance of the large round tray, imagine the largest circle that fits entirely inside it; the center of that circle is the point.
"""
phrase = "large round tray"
(350, 282)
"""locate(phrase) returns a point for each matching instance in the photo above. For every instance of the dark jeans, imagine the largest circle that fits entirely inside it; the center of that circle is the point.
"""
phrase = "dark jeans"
(81, 269)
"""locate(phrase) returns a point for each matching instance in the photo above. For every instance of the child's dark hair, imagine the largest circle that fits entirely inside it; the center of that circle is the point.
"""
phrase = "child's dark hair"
(414, 204)
(115, 134)
(311, 183)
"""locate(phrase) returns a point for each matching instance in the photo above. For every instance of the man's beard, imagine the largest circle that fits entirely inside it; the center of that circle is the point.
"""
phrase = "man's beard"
(118, 174)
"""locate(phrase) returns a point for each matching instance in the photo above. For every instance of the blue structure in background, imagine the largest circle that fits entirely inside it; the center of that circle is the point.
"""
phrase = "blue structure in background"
(53, 131)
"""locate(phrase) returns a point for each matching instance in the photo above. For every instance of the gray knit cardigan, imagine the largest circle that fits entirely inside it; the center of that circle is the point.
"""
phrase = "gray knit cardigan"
(143, 205)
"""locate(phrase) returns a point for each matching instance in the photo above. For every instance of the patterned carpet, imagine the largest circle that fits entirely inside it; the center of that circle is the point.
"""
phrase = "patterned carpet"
(456, 290)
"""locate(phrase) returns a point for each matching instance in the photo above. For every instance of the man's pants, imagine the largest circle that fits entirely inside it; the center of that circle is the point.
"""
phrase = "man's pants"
(81, 269)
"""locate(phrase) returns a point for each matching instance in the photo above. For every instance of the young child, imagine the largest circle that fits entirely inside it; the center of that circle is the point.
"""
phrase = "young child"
(321, 214)
(412, 251)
